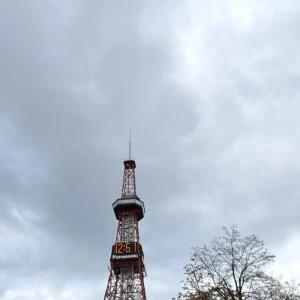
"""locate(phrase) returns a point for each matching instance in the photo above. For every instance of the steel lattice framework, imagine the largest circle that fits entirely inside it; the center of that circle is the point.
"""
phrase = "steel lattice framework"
(128, 187)
(127, 269)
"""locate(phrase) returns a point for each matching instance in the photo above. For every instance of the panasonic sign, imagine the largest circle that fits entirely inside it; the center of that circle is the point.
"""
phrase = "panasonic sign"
(130, 256)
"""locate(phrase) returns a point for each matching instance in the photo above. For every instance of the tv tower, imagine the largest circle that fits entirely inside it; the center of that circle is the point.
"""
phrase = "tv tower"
(127, 269)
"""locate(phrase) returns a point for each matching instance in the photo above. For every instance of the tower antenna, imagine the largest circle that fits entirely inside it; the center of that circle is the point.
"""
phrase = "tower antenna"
(130, 145)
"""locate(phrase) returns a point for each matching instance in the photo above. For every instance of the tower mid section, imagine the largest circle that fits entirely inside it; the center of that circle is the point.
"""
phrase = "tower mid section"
(127, 269)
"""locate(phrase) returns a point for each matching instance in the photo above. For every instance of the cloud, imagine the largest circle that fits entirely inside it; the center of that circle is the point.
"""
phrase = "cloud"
(210, 92)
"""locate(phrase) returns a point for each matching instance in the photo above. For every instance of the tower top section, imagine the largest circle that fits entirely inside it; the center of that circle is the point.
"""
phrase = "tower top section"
(129, 186)
(129, 200)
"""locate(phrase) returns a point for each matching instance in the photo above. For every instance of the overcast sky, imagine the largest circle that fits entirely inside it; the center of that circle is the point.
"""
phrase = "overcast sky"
(211, 92)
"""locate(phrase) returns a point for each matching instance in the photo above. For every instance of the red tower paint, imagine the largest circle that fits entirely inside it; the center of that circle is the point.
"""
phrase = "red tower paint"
(127, 269)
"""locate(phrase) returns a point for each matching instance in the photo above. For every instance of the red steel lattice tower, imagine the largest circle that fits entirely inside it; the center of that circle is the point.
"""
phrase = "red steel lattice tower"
(127, 269)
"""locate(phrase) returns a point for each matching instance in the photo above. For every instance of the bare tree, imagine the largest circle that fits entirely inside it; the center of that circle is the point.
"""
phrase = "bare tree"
(233, 268)
(271, 288)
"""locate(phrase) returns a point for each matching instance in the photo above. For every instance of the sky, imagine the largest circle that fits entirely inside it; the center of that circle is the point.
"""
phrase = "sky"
(210, 91)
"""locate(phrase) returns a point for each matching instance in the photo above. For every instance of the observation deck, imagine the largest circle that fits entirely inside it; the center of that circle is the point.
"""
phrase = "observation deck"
(128, 204)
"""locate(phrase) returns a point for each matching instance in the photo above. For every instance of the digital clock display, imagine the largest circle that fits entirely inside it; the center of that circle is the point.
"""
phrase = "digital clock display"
(124, 251)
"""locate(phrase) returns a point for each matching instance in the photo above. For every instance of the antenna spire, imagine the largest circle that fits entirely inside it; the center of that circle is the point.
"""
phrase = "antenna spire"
(130, 145)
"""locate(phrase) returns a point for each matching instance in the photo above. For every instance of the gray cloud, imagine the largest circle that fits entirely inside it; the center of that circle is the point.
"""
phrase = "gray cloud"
(75, 78)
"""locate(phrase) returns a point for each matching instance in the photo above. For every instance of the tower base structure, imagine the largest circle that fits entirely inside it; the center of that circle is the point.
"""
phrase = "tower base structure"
(127, 269)
(125, 283)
